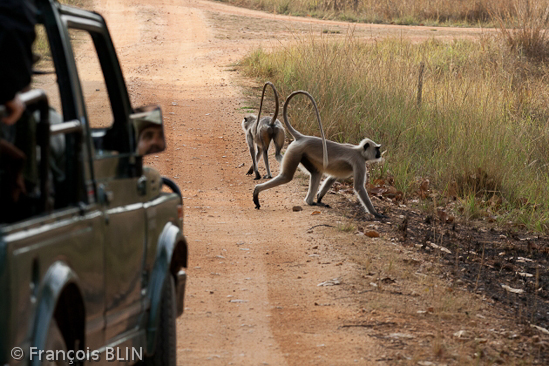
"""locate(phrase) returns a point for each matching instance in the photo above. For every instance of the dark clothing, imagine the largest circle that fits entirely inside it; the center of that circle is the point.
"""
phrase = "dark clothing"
(17, 20)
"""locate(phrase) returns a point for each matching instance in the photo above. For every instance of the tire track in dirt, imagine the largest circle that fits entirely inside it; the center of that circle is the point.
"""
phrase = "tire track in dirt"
(252, 284)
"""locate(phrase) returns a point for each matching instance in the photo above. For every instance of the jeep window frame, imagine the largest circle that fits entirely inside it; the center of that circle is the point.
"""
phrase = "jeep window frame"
(57, 20)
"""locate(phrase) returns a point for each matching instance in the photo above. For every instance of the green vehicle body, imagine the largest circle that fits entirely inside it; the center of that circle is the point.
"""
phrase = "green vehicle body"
(97, 266)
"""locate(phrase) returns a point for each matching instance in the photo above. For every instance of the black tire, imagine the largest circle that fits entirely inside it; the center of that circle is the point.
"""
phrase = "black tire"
(166, 345)
(55, 342)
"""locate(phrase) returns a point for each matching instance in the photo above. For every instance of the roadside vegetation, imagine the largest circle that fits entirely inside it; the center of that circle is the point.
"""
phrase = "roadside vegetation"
(40, 45)
(416, 12)
(477, 128)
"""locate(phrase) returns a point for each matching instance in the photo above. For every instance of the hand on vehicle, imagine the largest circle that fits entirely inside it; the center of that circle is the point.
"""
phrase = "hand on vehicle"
(14, 108)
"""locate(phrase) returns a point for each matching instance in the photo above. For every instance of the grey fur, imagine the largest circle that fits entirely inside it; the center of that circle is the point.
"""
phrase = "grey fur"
(345, 160)
(261, 134)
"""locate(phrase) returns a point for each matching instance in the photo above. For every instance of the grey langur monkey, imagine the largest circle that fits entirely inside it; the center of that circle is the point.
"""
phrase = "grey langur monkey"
(320, 157)
(260, 135)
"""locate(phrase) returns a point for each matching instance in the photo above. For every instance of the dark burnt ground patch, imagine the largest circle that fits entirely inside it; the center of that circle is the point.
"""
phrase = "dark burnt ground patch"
(508, 265)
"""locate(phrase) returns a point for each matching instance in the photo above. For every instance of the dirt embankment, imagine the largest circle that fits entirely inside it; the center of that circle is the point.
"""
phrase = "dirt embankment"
(275, 286)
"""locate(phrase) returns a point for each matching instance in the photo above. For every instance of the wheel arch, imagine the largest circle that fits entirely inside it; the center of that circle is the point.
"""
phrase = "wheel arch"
(171, 256)
(59, 299)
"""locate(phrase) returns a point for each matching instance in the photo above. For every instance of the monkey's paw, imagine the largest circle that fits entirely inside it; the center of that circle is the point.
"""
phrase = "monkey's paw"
(256, 201)
(380, 216)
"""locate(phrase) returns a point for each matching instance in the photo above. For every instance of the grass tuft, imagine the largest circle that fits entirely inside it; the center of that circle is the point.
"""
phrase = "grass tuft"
(527, 35)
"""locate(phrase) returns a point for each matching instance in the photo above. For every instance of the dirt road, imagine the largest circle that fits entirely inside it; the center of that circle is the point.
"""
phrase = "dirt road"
(253, 296)
(253, 274)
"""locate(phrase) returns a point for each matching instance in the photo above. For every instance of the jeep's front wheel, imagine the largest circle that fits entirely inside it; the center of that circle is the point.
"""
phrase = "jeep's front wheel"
(166, 345)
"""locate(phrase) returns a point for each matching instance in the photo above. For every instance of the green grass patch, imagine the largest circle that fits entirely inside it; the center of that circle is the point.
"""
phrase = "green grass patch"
(482, 126)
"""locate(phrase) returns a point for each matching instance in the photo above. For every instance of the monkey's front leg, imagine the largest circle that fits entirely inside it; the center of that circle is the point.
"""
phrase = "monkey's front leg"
(366, 203)
(360, 190)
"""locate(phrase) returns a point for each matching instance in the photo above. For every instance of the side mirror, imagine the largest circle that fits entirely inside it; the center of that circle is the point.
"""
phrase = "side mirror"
(149, 130)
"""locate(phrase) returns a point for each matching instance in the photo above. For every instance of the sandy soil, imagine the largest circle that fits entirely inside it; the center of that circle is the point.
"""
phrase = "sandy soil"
(253, 291)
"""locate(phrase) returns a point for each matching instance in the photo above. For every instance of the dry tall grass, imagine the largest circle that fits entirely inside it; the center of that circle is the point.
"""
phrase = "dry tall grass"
(391, 11)
(482, 128)
(527, 33)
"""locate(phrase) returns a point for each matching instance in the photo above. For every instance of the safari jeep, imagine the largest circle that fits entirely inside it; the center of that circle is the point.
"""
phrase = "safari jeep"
(92, 252)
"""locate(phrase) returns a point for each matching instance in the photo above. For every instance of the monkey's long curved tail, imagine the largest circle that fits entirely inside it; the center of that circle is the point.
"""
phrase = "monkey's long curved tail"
(275, 115)
(297, 135)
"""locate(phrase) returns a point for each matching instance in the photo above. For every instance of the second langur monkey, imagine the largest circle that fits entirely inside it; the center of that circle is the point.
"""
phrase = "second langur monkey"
(260, 131)
(321, 157)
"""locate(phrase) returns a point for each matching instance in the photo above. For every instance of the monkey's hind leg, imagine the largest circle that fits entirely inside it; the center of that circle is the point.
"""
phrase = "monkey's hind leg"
(289, 166)
(314, 182)
(279, 144)
(266, 159)
(251, 147)
(256, 161)
(276, 181)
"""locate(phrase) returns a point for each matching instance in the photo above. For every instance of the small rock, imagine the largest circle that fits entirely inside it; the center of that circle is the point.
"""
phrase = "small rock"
(513, 290)
(462, 334)
(401, 335)
(332, 282)
(297, 208)
(543, 330)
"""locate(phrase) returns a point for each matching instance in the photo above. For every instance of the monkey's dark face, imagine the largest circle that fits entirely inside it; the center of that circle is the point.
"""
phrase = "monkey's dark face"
(370, 150)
